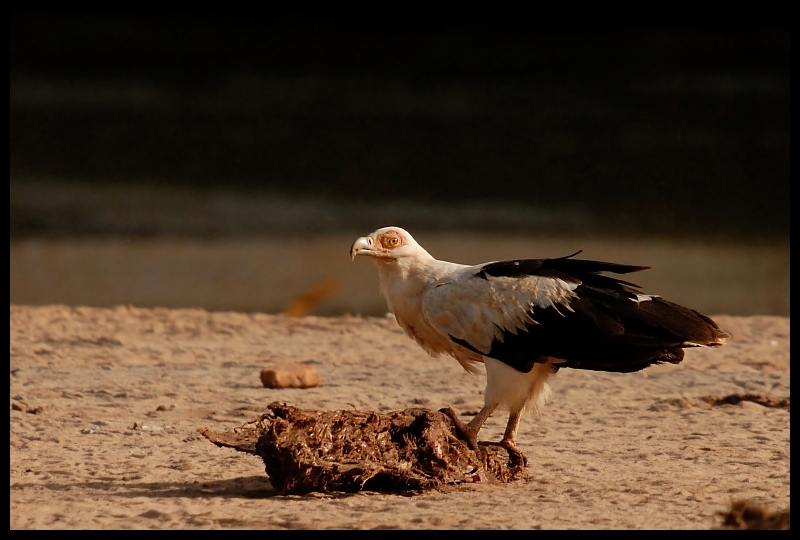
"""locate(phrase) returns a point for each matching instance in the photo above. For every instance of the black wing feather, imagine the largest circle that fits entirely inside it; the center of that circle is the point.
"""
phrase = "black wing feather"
(565, 268)
(604, 329)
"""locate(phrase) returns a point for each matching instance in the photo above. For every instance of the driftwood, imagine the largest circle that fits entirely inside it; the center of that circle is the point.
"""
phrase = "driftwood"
(413, 449)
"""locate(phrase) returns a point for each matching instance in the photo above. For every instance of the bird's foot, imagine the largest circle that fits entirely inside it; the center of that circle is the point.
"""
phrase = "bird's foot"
(515, 455)
(464, 431)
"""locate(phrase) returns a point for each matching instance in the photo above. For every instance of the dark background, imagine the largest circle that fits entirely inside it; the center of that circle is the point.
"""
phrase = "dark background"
(650, 122)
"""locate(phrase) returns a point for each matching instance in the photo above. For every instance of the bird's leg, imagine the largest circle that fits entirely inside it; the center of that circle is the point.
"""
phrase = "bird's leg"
(461, 427)
(470, 431)
(509, 441)
(476, 423)
(510, 436)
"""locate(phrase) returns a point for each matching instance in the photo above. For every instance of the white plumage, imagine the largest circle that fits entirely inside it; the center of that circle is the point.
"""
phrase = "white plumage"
(524, 319)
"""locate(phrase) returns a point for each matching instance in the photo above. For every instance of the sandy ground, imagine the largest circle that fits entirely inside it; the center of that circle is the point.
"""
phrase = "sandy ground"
(106, 403)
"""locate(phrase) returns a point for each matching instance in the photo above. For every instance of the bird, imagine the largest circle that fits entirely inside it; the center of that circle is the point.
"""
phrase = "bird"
(526, 319)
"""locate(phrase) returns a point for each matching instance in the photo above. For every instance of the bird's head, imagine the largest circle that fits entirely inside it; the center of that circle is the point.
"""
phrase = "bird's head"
(388, 244)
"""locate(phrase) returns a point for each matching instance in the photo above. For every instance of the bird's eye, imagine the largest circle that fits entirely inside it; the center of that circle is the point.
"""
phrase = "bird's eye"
(392, 242)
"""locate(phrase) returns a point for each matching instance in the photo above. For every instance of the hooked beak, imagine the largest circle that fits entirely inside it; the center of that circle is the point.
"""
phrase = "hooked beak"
(360, 246)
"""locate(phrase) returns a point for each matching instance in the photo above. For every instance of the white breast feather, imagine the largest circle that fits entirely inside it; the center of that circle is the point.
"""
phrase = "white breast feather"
(479, 310)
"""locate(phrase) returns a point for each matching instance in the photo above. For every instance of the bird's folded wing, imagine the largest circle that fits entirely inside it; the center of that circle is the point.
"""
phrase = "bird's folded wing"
(480, 310)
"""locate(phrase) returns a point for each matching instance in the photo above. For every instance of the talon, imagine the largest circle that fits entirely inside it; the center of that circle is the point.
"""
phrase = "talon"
(515, 455)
